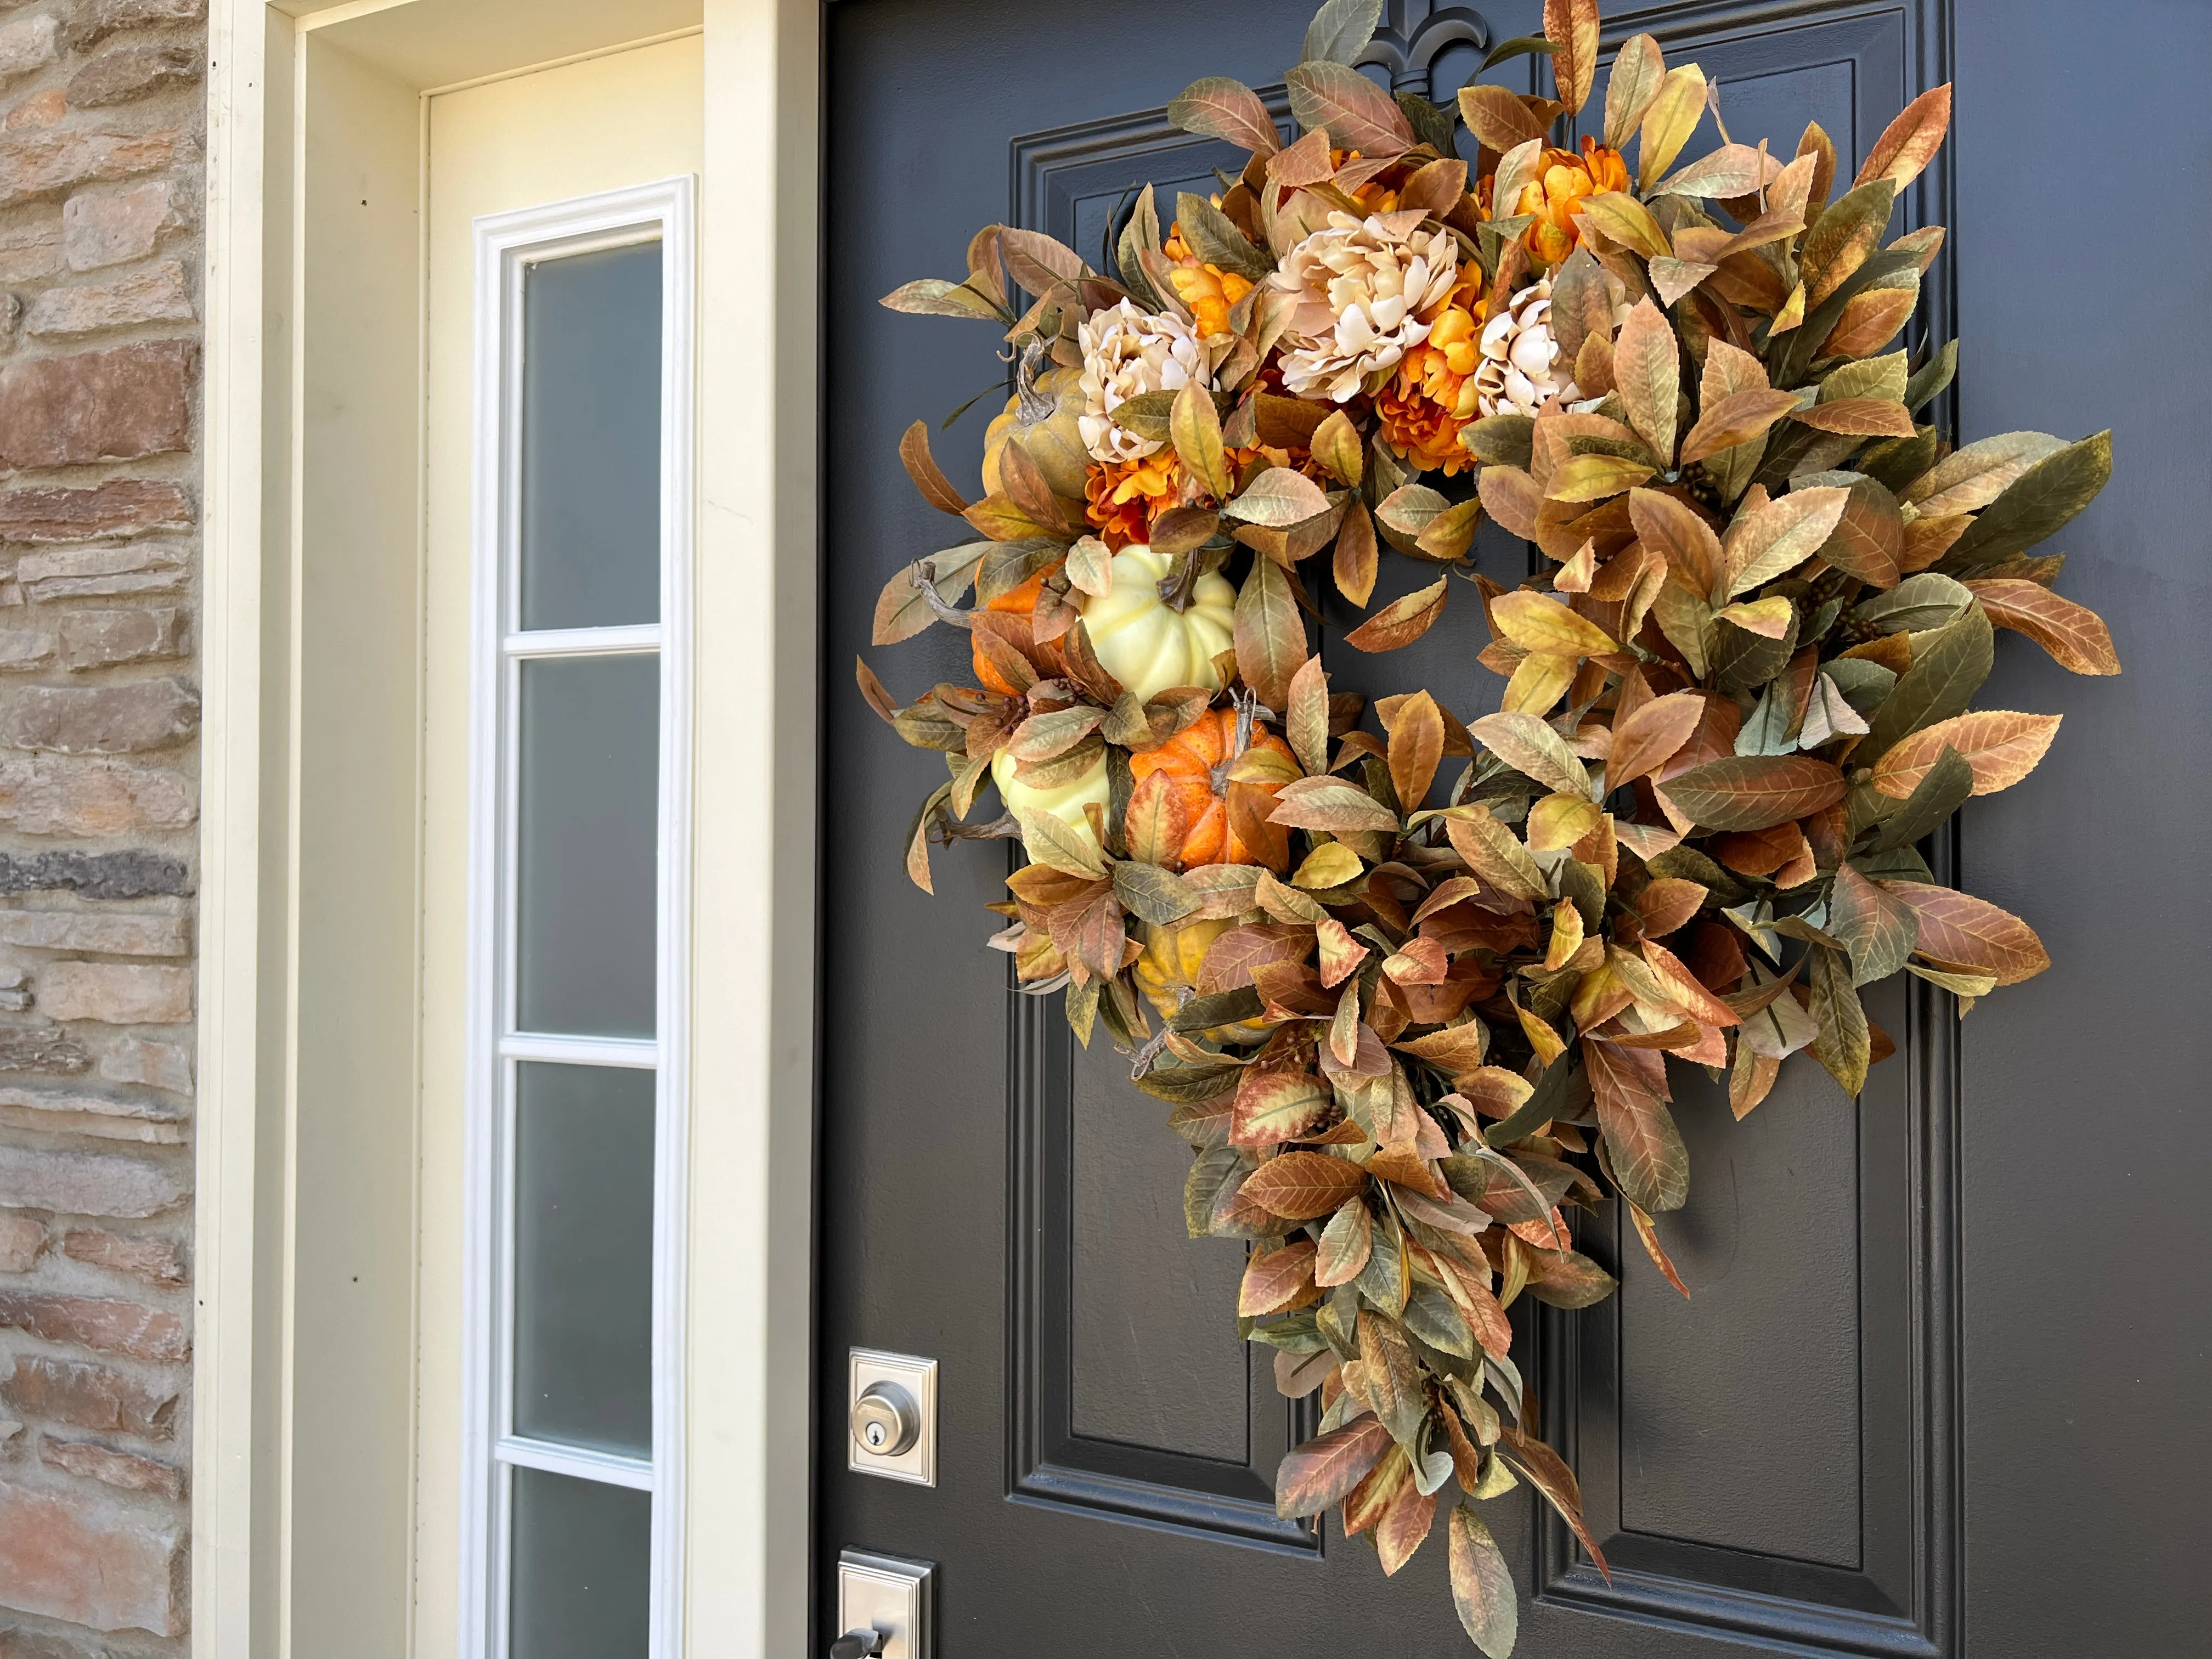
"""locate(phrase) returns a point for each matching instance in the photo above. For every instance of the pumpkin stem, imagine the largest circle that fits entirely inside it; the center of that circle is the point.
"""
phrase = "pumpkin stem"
(1247, 704)
(1035, 407)
(1005, 827)
(920, 574)
(1148, 1056)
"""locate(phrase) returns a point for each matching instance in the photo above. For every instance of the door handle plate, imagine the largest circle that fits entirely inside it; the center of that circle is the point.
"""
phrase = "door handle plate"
(890, 1594)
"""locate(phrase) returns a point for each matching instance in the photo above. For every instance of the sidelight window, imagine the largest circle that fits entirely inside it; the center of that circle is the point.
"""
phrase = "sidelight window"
(579, 855)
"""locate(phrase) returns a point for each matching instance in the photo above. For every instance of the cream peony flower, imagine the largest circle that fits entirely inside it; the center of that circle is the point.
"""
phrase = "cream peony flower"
(1520, 371)
(1367, 292)
(1126, 353)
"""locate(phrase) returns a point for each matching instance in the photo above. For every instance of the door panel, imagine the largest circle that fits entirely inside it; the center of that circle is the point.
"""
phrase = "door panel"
(1775, 1463)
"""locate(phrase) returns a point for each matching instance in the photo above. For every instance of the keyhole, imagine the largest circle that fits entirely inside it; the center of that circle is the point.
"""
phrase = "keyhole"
(876, 1436)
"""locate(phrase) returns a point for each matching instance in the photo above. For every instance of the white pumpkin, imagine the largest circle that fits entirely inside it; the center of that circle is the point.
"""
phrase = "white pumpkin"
(1146, 644)
(1065, 802)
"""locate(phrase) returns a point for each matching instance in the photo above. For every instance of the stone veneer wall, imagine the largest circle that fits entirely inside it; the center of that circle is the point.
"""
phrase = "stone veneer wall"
(101, 125)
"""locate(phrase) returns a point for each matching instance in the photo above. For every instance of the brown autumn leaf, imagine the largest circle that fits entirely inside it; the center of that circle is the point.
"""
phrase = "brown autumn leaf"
(1908, 142)
(1222, 108)
(1303, 1185)
(2002, 747)
(1571, 27)
(2074, 635)
(1671, 529)
(1417, 743)
(1322, 1471)
(1355, 562)
(1859, 417)
(1755, 792)
(1647, 375)
(928, 478)
(1158, 821)
(1548, 1473)
(1401, 622)
(1652, 736)
(1270, 632)
(1668, 904)
(1497, 118)
(1629, 1086)
(1346, 1245)
(1648, 1230)
(1404, 1526)
(1276, 1281)
(1358, 114)
(1970, 935)
(1734, 419)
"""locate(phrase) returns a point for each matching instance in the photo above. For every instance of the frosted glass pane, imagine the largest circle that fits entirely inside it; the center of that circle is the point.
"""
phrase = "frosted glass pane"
(583, 1257)
(583, 1569)
(591, 440)
(587, 887)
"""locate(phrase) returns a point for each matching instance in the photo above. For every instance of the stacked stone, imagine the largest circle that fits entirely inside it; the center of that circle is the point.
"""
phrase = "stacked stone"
(100, 134)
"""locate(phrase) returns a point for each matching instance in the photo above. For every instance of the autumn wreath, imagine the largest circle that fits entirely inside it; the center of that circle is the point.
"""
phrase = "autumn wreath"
(1409, 1029)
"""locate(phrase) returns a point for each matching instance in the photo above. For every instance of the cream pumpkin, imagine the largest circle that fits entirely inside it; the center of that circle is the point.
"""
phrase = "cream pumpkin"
(1063, 802)
(1146, 643)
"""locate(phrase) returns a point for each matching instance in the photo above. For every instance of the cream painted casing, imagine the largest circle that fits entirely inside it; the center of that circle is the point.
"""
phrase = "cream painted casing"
(323, 1148)
(1147, 645)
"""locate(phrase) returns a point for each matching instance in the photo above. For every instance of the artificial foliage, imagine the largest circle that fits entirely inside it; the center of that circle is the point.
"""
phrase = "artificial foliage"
(1411, 987)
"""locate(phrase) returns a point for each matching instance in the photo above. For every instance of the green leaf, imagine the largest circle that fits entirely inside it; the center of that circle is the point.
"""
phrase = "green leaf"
(1160, 897)
(1933, 377)
(1545, 1103)
(1946, 672)
(1431, 124)
(1213, 236)
(1431, 1316)
(1140, 233)
(1179, 1084)
(1917, 605)
(1938, 794)
(1844, 1045)
(1501, 439)
(2039, 503)
(1520, 45)
(1877, 928)
(1341, 31)
(1222, 1008)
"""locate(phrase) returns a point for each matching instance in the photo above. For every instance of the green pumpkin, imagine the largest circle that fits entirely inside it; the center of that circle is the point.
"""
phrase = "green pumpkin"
(1043, 414)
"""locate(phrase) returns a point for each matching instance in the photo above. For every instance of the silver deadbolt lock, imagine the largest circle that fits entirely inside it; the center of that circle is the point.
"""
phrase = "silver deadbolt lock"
(891, 1405)
(885, 1419)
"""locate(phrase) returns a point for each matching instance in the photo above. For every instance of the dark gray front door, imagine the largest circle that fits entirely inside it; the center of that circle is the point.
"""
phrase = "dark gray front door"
(1939, 1389)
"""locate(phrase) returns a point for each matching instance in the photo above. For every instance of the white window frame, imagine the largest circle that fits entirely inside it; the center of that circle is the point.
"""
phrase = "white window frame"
(506, 244)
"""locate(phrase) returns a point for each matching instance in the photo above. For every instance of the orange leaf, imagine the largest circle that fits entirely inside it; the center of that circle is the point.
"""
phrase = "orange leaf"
(1908, 142)
(2074, 635)
(1302, 1186)
(1276, 1281)
(2002, 747)
(1399, 622)
(1959, 931)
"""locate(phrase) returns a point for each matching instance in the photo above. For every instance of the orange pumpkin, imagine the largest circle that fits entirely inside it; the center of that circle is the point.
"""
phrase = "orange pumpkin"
(1188, 759)
(1020, 601)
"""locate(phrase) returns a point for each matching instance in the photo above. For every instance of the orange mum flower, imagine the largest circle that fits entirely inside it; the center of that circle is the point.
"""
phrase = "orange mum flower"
(1124, 497)
(1554, 195)
(1423, 409)
(1209, 291)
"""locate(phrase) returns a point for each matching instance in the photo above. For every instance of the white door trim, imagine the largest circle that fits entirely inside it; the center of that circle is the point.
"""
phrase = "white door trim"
(746, 1455)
